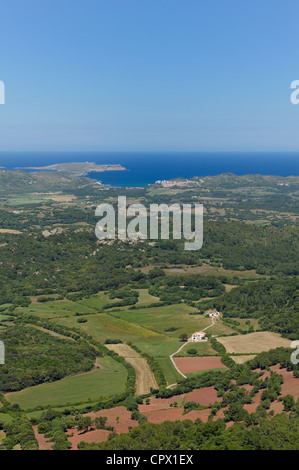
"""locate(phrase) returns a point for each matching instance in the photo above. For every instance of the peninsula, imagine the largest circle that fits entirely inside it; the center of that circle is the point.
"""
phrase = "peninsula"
(78, 168)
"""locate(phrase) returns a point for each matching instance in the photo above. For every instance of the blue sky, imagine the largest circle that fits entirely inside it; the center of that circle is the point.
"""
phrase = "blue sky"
(149, 75)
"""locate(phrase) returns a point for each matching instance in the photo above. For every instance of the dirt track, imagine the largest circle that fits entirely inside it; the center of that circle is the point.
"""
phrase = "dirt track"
(145, 379)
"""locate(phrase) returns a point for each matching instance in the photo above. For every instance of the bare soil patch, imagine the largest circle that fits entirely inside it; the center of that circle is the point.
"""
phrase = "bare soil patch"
(204, 396)
(277, 407)
(43, 443)
(97, 435)
(220, 414)
(195, 364)
(118, 417)
(290, 384)
(176, 414)
(251, 407)
(161, 403)
(6, 230)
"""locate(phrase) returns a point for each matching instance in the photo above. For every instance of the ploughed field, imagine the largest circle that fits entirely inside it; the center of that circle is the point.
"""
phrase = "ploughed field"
(197, 364)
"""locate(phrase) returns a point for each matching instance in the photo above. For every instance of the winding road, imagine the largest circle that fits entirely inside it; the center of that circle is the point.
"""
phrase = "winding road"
(180, 348)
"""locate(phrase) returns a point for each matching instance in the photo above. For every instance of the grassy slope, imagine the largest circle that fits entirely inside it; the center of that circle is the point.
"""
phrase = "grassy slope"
(82, 387)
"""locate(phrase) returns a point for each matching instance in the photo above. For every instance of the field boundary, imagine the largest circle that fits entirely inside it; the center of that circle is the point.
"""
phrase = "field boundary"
(180, 348)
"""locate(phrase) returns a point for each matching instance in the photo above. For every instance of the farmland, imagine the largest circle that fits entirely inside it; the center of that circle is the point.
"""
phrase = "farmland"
(161, 319)
(253, 342)
(197, 364)
(119, 310)
(154, 331)
(73, 389)
(145, 379)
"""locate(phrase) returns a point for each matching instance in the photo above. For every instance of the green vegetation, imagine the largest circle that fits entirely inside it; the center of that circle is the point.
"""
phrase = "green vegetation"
(281, 433)
(64, 295)
(77, 388)
(274, 303)
(33, 357)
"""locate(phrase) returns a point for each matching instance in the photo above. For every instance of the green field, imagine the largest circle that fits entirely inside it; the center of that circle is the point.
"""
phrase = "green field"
(77, 388)
(4, 418)
(202, 349)
(159, 348)
(37, 198)
(171, 375)
(199, 372)
(102, 326)
(159, 319)
(4, 317)
(145, 298)
(64, 308)
(220, 329)
(144, 327)
(55, 309)
(38, 413)
(4, 307)
(254, 322)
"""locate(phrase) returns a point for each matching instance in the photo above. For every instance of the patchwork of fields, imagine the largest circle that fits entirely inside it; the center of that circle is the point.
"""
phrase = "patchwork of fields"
(153, 330)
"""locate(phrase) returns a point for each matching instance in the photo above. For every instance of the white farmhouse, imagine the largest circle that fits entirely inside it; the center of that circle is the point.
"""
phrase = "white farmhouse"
(198, 336)
(214, 314)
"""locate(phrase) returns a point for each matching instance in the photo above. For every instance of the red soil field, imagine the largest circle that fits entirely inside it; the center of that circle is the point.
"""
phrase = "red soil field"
(101, 435)
(43, 443)
(160, 403)
(251, 407)
(176, 414)
(277, 407)
(98, 435)
(290, 384)
(159, 409)
(247, 387)
(122, 425)
(220, 414)
(203, 396)
(195, 364)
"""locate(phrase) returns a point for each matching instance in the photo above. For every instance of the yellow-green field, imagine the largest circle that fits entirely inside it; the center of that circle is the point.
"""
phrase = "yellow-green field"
(77, 388)
(160, 319)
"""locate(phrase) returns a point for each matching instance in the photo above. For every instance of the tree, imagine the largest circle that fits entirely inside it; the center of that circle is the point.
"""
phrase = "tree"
(183, 337)
(288, 403)
(100, 422)
(84, 423)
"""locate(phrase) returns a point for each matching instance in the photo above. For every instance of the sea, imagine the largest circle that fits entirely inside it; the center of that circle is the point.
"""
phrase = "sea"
(143, 168)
